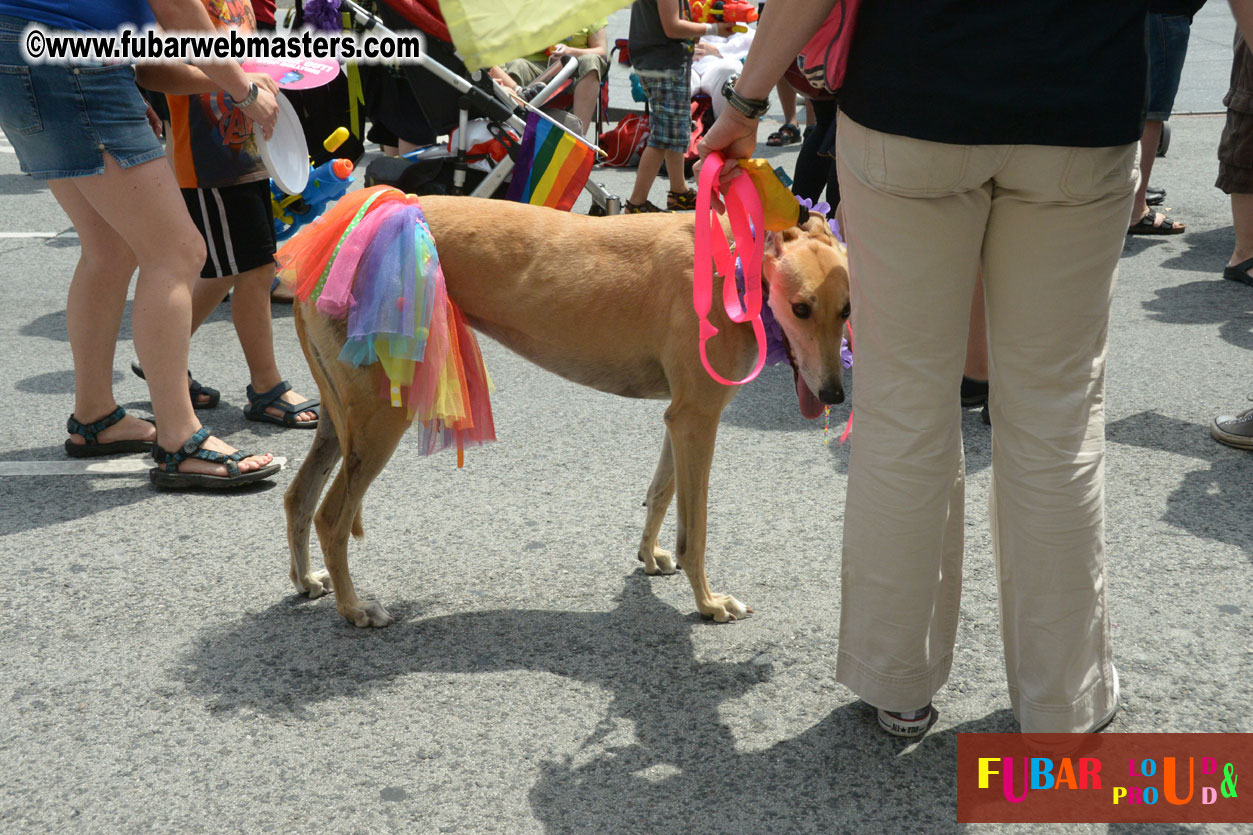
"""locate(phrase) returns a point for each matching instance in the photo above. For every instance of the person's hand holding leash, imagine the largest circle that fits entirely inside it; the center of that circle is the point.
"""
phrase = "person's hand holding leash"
(784, 27)
(735, 136)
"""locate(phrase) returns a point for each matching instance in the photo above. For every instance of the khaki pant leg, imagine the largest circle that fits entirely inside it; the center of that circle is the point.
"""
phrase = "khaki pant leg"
(914, 214)
(1055, 232)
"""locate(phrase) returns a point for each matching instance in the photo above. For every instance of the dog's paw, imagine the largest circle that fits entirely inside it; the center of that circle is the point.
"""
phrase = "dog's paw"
(367, 613)
(313, 585)
(724, 608)
(658, 561)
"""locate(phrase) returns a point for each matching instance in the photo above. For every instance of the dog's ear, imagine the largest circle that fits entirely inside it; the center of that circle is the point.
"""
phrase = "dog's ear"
(773, 246)
(775, 241)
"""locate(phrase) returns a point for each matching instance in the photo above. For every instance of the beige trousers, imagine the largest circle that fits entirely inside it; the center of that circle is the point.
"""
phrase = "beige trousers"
(1047, 225)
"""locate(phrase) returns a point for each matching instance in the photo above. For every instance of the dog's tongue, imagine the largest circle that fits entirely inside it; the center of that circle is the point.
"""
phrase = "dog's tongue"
(811, 406)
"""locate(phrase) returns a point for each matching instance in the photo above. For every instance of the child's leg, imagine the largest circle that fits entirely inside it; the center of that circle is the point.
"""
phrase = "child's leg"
(674, 167)
(250, 310)
(650, 165)
(206, 295)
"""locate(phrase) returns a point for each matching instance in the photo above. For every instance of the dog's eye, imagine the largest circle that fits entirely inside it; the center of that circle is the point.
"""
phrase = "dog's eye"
(801, 310)
(847, 311)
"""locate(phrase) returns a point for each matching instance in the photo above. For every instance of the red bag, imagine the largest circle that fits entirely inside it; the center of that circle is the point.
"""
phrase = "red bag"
(702, 121)
(625, 140)
(824, 60)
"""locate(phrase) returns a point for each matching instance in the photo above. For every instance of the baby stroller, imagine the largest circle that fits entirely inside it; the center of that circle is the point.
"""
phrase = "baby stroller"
(450, 99)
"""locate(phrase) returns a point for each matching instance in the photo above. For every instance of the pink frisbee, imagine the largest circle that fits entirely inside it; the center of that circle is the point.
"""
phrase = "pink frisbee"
(296, 73)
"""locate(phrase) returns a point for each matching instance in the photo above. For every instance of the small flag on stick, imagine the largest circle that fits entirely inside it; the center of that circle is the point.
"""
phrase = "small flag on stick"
(553, 166)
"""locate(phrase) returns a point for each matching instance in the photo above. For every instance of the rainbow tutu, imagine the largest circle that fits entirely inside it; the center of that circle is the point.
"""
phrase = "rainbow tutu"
(371, 261)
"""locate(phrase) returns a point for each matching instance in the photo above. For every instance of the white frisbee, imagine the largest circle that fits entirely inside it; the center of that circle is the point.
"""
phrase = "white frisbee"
(285, 153)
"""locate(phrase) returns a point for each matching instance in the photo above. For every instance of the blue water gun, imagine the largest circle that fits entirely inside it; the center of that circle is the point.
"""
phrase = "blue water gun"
(327, 183)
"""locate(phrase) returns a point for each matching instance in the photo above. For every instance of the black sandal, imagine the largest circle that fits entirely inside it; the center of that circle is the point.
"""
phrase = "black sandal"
(1240, 272)
(1149, 225)
(258, 403)
(93, 448)
(166, 475)
(194, 389)
(786, 135)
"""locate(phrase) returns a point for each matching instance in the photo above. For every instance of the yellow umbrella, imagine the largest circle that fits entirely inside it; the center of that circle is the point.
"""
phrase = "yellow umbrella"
(488, 32)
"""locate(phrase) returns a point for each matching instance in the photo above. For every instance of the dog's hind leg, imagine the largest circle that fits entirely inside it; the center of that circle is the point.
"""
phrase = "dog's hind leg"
(693, 431)
(300, 501)
(656, 559)
(377, 429)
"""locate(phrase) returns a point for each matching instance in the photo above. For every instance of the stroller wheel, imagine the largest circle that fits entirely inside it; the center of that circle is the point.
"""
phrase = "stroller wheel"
(1164, 142)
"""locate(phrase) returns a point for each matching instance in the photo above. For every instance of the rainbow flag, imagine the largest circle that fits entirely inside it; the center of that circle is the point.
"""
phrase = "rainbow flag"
(553, 166)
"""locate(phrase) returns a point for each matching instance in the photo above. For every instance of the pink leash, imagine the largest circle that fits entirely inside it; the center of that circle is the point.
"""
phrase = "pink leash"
(712, 250)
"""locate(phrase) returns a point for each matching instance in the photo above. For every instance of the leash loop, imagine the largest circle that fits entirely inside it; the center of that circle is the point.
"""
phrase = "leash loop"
(744, 210)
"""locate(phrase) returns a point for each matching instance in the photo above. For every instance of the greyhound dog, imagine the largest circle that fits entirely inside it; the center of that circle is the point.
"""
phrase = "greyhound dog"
(605, 302)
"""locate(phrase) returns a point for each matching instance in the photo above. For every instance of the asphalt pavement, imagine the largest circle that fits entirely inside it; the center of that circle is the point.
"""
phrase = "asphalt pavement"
(158, 672)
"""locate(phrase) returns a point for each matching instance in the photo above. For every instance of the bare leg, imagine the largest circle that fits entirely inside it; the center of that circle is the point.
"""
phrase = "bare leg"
(143, 206)
(787, 100)
(206, 295)
(674, 169)
(93, 315)
(650, 164)
(586, 92)
(250, 309)
(1148, 153)
(502, 78)
(1242, 220)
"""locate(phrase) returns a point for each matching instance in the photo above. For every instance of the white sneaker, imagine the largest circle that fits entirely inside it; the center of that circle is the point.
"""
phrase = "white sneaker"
(910, 723)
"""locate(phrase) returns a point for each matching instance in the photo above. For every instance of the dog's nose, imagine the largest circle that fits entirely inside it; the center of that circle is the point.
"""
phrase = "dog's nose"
(832, 394)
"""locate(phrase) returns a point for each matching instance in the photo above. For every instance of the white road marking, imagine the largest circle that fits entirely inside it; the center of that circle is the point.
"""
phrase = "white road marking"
(66, 235)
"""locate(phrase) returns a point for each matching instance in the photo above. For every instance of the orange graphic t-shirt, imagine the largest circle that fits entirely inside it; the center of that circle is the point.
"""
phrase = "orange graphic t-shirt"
(213, 143)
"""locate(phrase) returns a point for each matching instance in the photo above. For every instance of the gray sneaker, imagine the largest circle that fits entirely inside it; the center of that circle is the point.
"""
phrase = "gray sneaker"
(1234, 430)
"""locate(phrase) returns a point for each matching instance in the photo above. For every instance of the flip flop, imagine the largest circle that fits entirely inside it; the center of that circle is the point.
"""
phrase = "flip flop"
(259, 403)
(1240, 272)
(194, 389)
(1156, 223)
(91, 448)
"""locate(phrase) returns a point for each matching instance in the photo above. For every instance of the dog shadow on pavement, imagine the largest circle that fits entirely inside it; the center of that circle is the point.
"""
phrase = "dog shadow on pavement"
(680, 770)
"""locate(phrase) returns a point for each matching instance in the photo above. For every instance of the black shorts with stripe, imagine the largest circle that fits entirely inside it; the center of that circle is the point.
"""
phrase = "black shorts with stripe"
(237, 223)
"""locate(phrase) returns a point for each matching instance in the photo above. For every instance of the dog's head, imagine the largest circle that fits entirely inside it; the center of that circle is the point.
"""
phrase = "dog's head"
(806, 275)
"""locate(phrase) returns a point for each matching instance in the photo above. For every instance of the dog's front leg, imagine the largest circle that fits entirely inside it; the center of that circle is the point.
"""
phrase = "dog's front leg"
(656, 559)
(693, 430)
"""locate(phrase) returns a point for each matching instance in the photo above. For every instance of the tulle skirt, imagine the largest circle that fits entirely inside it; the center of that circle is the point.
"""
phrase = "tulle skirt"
(371, 260)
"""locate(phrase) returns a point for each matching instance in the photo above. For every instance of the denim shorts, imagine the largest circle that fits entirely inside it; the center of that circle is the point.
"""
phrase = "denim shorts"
(61, 119)
(1168, 46)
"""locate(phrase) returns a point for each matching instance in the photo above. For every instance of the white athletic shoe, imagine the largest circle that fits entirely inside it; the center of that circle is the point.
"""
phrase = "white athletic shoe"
(910, 723)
